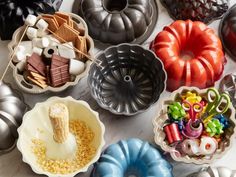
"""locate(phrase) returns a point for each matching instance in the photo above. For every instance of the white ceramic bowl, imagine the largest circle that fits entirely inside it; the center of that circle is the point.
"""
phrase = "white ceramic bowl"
(160, 120)
(37, 121)
(34, 89)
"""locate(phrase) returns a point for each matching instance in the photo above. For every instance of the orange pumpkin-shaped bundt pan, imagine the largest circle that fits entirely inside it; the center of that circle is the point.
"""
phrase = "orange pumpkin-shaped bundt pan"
(192, 54)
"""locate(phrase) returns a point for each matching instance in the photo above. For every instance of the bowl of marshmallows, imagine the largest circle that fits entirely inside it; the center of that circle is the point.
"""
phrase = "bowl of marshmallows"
(50, 52)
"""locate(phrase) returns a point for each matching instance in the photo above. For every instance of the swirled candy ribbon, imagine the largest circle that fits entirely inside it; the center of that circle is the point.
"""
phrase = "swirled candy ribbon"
(223, 120)
(214, 127)
(192, 97)
(175, 111)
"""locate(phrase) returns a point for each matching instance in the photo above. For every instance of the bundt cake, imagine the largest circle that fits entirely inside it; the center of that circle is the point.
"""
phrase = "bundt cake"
(117, 21)
(196, 10)
(14, 12)
(131, 158)
(228, 32)
(192, 54)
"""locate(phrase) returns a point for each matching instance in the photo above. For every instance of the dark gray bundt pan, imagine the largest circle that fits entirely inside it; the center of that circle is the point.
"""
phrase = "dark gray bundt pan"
(128, 80)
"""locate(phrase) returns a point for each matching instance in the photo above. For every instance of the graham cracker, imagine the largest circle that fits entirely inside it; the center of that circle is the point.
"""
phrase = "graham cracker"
(60, 20)
(67, 33)
(52, 23)
(38, 76)
(64, 16)
(36, 82)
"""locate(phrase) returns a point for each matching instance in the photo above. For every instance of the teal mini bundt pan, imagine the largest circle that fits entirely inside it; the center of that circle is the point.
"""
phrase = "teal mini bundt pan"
(132, 157)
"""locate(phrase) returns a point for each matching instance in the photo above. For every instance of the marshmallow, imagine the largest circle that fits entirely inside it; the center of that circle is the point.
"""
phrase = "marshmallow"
(53, 40)
(21, 65)
(42, 25)
(41, 33)
(66, 50)
(49, 51)
(31, 33)
(27, 47)
(37, 50)
(76, 67)
(19, 56)
(30, 20)
(41, 42)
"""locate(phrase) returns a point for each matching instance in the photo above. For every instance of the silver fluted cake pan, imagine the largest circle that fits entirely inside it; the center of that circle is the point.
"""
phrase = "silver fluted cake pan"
(228, 85)
(128, 80)
(120, 21)
(12, 109)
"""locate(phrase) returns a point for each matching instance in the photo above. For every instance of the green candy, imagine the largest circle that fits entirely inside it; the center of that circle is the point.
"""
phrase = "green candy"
(176, 111)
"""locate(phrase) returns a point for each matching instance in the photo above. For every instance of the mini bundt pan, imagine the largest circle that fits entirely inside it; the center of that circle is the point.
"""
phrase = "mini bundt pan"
(196, 10)
(227, 32)
(128, 80)
(120, 21)
(14, 12)
(131, 158)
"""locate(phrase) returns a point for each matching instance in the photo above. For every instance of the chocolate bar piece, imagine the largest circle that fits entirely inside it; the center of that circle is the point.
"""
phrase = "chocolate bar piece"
(36, 61)
(60, 75)
(58, 61)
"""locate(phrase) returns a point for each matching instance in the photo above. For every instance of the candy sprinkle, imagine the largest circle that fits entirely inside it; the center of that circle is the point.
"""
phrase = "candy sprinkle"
(84, 153)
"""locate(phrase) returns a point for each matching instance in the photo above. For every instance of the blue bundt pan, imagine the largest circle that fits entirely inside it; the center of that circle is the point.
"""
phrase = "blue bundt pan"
(132, 157)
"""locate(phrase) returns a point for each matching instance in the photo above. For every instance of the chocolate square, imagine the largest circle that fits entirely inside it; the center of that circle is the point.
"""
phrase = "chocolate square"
(60, 75)
(58, 61)
(36, 61)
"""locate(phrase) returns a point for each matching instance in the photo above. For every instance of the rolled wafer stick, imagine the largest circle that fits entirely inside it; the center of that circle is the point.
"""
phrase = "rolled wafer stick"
(59, 116)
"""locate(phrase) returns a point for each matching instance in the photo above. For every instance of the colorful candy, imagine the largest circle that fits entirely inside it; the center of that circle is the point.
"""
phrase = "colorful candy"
(176, 111)
(223, 120)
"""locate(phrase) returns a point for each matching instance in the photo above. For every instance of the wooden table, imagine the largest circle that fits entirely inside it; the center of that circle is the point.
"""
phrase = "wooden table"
(117, 127)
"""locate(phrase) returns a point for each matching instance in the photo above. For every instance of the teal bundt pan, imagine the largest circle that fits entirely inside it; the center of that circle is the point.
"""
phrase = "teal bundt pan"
(134, 158)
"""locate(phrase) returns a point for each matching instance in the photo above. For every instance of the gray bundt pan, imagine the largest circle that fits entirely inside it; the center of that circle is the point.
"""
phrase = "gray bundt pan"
(128, 80)
(120, 21)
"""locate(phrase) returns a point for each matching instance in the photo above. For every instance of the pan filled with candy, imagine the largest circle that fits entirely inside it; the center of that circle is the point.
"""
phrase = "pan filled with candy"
(51, 52)
(195, 126)
(189, 50)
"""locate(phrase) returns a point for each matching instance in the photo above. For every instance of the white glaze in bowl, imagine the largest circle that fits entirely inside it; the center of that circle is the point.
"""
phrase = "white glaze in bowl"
(36, 124)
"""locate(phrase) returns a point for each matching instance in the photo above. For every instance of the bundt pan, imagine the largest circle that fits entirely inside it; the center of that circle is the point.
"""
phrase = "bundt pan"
(132, 158)
(160, 137)
(189, 50)
(34, 89)
(14, 12)
(228, 85)
(227, 32)
(12, 109)
(196, 10)
(120, 21)
(128, 80)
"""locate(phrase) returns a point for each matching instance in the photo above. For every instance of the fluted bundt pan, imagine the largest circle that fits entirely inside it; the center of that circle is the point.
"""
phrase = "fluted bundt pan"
(227, 31)
(120, 21)
(128, 80)
(14, 12)
(196, 10)
(12, 109)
